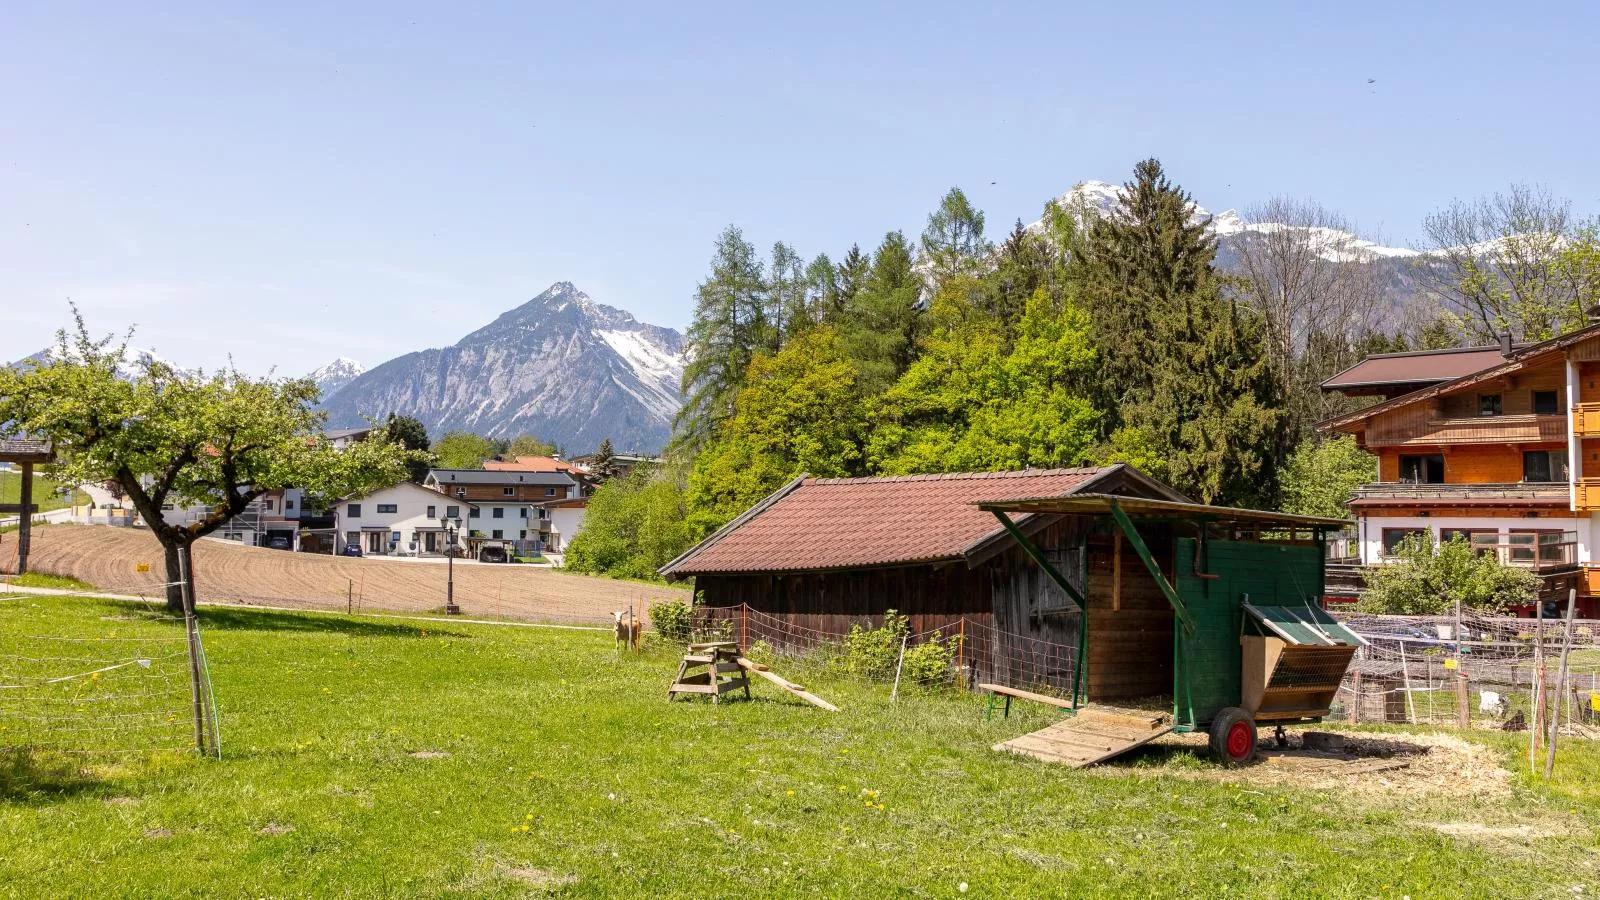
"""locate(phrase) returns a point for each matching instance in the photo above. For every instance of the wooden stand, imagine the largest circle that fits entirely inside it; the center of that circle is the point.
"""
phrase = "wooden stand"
(718, 658)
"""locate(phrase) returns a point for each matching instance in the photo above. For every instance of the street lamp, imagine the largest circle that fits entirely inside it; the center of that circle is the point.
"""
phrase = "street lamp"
(450, 527)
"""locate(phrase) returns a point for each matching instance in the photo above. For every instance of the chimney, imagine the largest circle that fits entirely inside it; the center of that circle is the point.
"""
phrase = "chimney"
(1505, 344)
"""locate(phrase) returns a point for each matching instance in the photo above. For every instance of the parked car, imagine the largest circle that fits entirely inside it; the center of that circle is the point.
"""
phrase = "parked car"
(279, 543)
(352, 549)
(495, 553)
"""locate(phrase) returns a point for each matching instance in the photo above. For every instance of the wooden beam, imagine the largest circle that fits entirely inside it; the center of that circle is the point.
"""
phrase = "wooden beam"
(1038, 557)
(1139, 547)
(25, 521)
(784, 683)
(1025, 695)
(1116, 570)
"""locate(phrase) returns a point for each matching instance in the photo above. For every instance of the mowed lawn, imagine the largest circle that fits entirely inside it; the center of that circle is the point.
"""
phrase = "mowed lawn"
(46, 492)
(551, 765)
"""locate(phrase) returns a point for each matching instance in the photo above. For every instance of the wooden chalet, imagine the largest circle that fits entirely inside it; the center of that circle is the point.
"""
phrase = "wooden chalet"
(1506, 456)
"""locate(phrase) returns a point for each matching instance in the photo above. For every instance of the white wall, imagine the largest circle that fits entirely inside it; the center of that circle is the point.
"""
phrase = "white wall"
(1371, 530)
(566, 523)
(411, 504)
(511, 524)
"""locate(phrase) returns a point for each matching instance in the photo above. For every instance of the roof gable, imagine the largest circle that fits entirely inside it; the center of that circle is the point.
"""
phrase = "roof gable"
(819, 524)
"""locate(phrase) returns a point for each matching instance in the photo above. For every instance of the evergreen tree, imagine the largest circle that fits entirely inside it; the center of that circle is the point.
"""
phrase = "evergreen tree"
(882, 322)
(1184, 373)
(788, 299)
(411, 434)
(823, 296)
(852, 275)
(605, 461)
(729, 327)
(953, 243)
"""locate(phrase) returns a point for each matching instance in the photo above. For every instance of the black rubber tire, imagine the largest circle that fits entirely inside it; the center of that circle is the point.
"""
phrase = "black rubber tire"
(1233, 737)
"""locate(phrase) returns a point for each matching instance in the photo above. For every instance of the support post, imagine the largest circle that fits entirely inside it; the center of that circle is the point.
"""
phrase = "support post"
(1037, 555)
(1561, 686)
(1149, 561)
(193, 635)
(25, 519)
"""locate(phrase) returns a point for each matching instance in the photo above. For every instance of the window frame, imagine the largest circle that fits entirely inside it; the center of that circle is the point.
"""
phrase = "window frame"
(1554, 404)
(352, 510)
(1387, 546)
(1422, 460)
(1489, 406)
(388, 509)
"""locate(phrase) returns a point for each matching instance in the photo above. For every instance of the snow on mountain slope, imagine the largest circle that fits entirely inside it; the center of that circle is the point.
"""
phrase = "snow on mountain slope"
(560, 367)
(335, 375)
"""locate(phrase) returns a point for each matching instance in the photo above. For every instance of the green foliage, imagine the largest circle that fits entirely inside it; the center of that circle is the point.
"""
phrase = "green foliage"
(1428, 580)
(931, 662)
(730, 326)
(1180, 363)
(465, 450)
(48, 493)
(881, 325)
(410, 434)
(1321, 474)
(873, 652)
(980, 399)
(632, 527)
(604, 466)
(953, 242)
(528, 445)
(169, 435)
(799, 412)
(673, 620)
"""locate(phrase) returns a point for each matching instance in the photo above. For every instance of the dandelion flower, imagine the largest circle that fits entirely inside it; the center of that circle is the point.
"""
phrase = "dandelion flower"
(791, 793)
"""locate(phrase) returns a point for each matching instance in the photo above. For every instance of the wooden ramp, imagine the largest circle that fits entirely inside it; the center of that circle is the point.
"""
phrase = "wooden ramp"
(1095, 734)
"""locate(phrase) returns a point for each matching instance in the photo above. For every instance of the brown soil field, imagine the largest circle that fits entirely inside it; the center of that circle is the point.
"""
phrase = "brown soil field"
(225, 572)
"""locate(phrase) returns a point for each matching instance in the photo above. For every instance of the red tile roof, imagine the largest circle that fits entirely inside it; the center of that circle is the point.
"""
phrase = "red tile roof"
(1421, 367)
(529, 464)
(843, 523)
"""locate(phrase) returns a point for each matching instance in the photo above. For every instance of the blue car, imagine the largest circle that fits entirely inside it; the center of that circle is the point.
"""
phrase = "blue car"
(352, 549)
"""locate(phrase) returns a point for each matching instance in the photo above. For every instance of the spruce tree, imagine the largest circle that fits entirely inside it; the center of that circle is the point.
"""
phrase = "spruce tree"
(953, 243)
(730, 325)
(882, 322)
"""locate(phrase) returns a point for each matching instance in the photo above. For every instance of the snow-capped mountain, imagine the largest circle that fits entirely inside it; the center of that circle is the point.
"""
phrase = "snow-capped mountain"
(560, 367)
(1105, 199)
(132, 358)
(335, 375)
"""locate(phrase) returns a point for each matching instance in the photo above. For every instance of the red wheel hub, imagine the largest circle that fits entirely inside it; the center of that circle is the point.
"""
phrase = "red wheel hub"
(1239, 740)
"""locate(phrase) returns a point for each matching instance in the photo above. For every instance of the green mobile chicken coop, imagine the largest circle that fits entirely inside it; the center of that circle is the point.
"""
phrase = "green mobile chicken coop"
(1227, 603)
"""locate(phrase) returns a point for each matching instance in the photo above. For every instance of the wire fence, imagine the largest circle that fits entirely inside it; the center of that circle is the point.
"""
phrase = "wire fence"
(126, 689)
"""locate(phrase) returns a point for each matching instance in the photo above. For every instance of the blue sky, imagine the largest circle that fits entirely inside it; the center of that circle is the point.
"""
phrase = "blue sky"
(290, 182)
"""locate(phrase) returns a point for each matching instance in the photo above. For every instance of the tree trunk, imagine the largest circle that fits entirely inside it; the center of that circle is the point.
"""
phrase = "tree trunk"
(180, 571)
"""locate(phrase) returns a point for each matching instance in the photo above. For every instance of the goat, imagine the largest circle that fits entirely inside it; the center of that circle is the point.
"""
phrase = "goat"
(627, 630)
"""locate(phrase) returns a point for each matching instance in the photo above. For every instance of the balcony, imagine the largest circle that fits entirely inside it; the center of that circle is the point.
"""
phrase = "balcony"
(1517, 493)
(1586, 497)
(1586, 419)
(1510, 429)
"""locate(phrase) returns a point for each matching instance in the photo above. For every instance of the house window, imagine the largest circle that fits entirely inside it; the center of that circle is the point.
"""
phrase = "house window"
(1484, 542)
(499, 512)
(390, 508)
(549, 492)
(353, 510)
(1488, 404)
(1544, 403)
(288, 504)
(1426, 469)
(1527, 547)
(498, 533)
(508, 492)
(268, 502)
(1392, 538)
(431, 513)
(452, 512)
(352, 538)
(472, 513)
(522, 535)
(523, 513)
(1544, 465)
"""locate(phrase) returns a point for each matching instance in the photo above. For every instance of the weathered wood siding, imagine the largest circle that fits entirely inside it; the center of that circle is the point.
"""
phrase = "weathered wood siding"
(1130, 638)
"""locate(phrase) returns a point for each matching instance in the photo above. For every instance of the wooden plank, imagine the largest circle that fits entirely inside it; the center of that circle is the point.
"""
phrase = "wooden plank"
(784, 683)
(1026, 695)
(1089, 737)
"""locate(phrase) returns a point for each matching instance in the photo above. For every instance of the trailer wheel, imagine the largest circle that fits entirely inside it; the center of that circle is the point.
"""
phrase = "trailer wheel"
(1233, 737)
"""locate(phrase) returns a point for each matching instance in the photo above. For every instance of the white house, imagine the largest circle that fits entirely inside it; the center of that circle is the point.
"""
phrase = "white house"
(566, 518)
(511, 504)
(400, 521)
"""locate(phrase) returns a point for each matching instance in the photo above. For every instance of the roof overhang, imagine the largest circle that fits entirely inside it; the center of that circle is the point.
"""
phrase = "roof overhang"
(1100, 504)
(26, 451)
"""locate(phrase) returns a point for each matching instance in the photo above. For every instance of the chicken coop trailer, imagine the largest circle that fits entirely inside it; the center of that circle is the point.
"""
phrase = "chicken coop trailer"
(1243, 627)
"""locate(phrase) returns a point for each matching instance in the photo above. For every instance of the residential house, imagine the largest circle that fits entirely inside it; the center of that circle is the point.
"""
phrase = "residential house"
(1506, 455)
(341, 438)
(509, 504)
(403, 520)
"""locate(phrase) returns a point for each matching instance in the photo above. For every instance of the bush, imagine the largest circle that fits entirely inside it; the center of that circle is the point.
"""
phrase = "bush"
(673, 620)
(1428, 581)
(632, 527)
(872, 652)
(931, 661)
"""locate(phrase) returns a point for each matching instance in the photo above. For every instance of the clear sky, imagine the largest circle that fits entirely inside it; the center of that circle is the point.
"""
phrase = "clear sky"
(288, 182)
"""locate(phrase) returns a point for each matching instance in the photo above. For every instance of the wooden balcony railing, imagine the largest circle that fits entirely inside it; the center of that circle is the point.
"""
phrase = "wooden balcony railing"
(1586, 497)
(1404, 490)
(1586, 419)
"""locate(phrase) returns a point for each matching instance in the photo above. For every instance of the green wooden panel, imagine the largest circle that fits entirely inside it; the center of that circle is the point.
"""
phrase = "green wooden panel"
(1303, 624)
(1209, 659)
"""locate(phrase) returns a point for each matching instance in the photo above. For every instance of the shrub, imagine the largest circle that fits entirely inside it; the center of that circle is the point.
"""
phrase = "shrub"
(872, 652)
(1428, 581)
(931, 661)
(672, 619)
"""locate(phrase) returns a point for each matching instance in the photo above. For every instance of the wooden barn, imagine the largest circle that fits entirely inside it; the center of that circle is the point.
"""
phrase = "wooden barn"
(824, 554)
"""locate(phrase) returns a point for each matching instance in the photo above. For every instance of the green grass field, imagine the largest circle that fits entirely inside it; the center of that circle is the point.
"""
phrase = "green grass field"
(46, 492)
(550, 765)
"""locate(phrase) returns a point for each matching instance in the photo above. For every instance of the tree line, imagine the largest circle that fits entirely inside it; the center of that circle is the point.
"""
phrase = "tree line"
(1090, 338)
